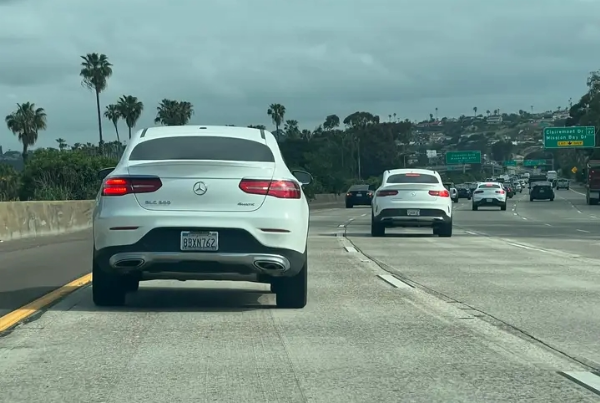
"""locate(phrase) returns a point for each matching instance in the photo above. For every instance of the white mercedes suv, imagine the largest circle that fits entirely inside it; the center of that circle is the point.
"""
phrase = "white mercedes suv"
(412, 198)
(201, 203)
(489, 194)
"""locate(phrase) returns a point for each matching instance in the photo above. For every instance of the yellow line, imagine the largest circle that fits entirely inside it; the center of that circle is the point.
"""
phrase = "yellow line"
(9, 320)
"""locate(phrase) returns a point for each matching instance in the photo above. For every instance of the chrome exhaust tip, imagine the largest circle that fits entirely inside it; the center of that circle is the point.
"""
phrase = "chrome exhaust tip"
(129, 263)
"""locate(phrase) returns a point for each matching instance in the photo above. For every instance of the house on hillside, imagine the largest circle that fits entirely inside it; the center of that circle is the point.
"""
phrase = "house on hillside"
(494, 120)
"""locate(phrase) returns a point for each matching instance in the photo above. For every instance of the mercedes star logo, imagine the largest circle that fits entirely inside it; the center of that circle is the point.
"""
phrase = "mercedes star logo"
(199, 188)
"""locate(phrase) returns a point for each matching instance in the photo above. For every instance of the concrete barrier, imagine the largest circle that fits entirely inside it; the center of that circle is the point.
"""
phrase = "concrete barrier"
(41, 218)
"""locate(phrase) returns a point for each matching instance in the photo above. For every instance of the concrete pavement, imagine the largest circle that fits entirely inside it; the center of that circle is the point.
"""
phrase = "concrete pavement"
(476, 320)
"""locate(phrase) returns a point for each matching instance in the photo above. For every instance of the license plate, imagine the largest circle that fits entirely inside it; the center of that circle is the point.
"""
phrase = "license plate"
(200, 241)
(413, 212)
(541, 190)
(490, 200)
(359, 194)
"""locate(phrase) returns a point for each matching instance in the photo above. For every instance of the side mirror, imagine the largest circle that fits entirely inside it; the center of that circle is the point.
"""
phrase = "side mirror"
(103, 173)
(303, 177)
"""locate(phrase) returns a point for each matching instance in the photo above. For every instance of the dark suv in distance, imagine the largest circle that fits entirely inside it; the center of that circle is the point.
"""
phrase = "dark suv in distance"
(541, 191)
(463, 191)
(359, 195)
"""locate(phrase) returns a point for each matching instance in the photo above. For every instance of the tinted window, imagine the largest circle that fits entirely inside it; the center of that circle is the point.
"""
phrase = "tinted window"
(489, 186)
(358, 187)
(412, 178)
(202, 148)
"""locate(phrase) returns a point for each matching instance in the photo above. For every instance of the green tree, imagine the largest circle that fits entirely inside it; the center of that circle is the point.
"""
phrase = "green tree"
(277, 114)
(130, 109)
(112, 113)
(26, 122)
(173, 113)
(95, 72)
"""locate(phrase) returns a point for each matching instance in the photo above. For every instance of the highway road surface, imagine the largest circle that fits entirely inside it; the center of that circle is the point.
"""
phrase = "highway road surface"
(507, 310)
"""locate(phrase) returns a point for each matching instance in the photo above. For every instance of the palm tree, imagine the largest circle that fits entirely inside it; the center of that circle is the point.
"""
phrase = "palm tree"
(112, 113)
(95, 72)
(26, 122)
(277, 113)
(173, 113)
(130, 109)
(475, 111)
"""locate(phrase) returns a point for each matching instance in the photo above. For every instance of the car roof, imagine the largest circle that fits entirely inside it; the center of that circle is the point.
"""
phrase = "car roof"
(391, 172)
(359, 186)
(229, 131)
(489, 183)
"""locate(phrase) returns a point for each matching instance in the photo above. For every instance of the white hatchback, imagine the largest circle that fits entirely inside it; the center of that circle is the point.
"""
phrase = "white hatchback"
(201, 203)
(489, 194)
(412, 198)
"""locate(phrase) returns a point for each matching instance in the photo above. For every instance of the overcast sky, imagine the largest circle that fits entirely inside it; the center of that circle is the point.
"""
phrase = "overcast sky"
(232, 58)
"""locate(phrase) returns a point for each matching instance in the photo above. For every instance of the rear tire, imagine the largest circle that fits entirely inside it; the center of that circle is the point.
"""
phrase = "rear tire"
(377, 228)
(455, 200)
(107, 289)
(445, 230)
(552, 199)
(474, 207)
(292, 292)
(531, 199)
(348, 205)
(503, 208)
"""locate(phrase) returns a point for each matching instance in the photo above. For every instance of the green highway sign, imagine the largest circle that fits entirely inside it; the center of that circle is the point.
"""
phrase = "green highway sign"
(570, 137)
(463, 157)
(511, 163)
(533, 163)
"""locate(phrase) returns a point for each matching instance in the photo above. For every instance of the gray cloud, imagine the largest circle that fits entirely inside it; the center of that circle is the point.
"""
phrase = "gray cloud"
(232, 58)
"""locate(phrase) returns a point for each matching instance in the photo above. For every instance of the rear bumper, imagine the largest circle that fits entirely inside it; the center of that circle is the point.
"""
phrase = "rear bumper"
(542, 197)
(489, 202)
(240, 257)
(398, 217)
(366, 201)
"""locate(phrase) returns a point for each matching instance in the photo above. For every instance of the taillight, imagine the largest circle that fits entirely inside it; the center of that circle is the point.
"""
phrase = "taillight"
(387, 193)
(439, 193)
(500, 192)
(282, 189)
(122, 186)
(348, 194)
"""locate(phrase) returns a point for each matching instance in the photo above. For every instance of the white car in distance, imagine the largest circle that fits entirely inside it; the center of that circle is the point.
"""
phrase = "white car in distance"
(489, 194)
(411, 198)
(201, 203)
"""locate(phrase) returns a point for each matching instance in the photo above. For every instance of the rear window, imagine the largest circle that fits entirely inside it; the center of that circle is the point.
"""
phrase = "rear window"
(489, 186)
(412, 178)
(358, 187)
(202, 148)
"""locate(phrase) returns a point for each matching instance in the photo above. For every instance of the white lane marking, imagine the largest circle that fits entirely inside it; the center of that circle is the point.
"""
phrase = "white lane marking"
(588, 380)
(524, 218)
(580, 230)
(548, 225)
(579, 193)
(364, 215)
(593, 216)
(341, 226)
(350, 249)
(471, 233)
(351, 219)
(578, 211)
(394, 281)
(515, 213)
(527, 247)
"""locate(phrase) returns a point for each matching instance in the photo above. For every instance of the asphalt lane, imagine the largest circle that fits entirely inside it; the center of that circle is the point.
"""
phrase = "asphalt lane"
(31, 268)
(566, 226)
(360, 339)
